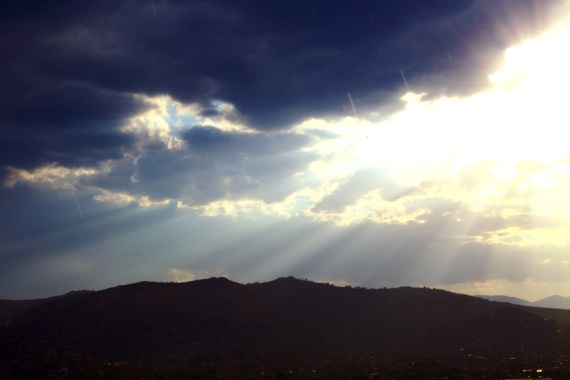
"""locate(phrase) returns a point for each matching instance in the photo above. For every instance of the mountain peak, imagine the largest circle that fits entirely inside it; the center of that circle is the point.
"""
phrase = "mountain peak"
(286, 279)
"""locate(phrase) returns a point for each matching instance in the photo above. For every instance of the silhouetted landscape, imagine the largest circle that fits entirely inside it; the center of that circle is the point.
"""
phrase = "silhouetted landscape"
(286, 328)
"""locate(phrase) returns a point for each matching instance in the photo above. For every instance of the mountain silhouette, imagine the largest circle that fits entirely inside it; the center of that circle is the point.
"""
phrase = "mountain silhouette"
(217, 320)
(554, 302)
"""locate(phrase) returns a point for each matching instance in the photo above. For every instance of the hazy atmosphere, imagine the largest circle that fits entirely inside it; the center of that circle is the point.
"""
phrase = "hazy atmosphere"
(366, 143)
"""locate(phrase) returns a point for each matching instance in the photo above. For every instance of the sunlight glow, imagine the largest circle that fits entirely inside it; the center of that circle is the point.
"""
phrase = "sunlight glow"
(516, 128)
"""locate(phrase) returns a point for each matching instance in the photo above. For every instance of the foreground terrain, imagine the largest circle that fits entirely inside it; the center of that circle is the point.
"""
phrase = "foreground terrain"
(287, 328)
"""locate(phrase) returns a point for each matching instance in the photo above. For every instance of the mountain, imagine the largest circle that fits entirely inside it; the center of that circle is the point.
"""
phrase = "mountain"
(8, 308)
(513, 300)
(285, 321)
(554, 302)
(143, 319)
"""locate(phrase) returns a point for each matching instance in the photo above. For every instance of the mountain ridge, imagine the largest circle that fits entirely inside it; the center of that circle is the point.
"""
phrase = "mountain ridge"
(272, 324)
(553, 302)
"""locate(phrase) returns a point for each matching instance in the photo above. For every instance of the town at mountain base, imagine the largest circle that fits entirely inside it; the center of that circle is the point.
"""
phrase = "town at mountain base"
(288, 327)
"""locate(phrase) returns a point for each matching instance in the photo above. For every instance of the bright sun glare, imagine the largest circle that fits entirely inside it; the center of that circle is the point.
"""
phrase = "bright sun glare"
(500, 151)
(522, 116)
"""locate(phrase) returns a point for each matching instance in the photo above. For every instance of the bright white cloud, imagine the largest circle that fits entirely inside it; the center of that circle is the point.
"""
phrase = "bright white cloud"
(53, 177)
(183, 275)
(124, 198)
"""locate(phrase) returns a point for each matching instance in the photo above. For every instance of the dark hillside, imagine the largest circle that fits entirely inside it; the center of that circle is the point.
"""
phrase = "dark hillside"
(560, 315)
(9, 308)
(408, 319)
(142, 319)
(291, 321)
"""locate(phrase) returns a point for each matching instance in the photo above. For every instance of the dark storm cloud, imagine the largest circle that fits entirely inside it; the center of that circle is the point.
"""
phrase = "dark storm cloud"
(71, 124)
(69, 68)
(235, 146)
(212, 165)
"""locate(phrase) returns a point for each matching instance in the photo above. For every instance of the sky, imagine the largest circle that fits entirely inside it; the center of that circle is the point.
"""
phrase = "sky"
(364, 143)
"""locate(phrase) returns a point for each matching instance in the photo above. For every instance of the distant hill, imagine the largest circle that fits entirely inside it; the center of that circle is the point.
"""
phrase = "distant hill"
(287, 320)
(554, 302)
(513, 300)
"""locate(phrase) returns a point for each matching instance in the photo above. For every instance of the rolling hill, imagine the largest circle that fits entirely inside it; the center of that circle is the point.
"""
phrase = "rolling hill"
(286, 321)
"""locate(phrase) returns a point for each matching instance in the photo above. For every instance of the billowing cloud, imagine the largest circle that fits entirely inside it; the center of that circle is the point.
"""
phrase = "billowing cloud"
(73, 71)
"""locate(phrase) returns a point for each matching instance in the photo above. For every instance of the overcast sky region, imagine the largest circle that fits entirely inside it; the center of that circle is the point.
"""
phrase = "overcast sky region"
(365, 143)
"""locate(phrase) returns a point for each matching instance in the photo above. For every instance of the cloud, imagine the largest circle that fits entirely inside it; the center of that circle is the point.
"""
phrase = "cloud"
(194, 165)
(278, 64)
(69, 124)
(214, 165)
(122, 198)
(181, 275)
(52, 177)
(81, 90)
(348, 192)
